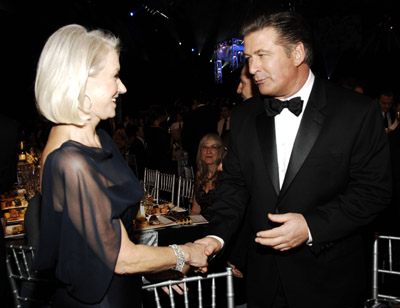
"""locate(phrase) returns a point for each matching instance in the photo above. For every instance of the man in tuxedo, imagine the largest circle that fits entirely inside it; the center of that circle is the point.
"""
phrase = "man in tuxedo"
(223, 123)
(312, 174)
(385, 101)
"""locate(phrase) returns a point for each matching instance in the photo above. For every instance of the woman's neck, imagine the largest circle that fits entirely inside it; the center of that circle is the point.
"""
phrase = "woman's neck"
(212, 172)
(83, 134)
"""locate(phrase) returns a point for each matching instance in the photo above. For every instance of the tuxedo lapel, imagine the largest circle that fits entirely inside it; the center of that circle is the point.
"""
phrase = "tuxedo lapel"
(266, 138)
(308, 133)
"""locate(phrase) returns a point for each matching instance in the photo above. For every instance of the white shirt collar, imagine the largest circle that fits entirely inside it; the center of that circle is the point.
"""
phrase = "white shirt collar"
(305, 90)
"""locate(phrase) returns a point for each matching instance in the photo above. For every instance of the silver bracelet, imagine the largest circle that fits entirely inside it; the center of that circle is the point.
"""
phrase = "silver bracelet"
(180, 257)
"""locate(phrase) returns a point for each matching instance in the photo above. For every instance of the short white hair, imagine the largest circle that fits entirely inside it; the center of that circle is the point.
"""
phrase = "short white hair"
(69, 57)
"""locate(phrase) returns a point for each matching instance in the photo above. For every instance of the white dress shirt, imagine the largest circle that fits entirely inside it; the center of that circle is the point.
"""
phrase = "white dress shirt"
(286, 127)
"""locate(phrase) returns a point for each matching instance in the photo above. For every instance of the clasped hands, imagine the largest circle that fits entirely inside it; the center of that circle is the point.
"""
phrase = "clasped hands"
(292, 232)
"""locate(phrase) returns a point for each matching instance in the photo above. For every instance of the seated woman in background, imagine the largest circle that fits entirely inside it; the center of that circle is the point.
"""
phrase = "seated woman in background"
(209, 156)
(89, 194)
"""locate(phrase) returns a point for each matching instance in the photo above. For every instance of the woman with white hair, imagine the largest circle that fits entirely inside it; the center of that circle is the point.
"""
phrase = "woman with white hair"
(89, 194)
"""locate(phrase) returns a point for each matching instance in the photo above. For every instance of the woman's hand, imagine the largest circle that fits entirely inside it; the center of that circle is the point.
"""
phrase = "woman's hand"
(237, 273)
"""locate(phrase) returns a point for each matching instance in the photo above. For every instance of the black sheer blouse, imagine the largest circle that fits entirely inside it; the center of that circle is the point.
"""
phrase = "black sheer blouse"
(85, 192)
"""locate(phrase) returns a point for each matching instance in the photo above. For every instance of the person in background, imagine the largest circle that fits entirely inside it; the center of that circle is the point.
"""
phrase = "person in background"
(201, 121)
(209, 156)
(179, 155)
(8, 154)
(138, 148)
(315, 172)
(8, 172)
(246, 87)
(224, 122)
(158, 141)
(390, 221)
(178, 124)
(353, 84)
(386, 100)
(89, 194)
(130, 127)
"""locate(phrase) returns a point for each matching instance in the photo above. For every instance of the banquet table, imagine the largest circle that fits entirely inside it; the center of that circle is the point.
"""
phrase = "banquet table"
(172, 234)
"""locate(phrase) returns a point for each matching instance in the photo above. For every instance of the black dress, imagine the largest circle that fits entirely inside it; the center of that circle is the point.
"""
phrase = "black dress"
(204, 199)
(85, 192)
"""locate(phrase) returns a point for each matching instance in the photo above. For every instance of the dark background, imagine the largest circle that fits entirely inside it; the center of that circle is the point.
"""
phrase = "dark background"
(358, 38)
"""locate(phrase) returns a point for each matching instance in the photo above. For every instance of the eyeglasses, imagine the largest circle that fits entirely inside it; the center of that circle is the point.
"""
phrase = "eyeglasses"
(212, 148)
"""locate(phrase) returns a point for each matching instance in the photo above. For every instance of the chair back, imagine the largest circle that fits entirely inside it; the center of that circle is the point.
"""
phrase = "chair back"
(188, 172)
(150, 181)
(189, 286)
(166, 182)
(385, 268)
(185, 191)
(27, 286)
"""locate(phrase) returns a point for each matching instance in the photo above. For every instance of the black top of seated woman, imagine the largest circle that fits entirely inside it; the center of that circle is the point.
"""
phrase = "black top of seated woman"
(204, 199)
(85, 191)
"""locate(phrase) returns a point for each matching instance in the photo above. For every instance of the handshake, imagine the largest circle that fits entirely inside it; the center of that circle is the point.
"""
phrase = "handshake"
(198, 254)
(189, 256)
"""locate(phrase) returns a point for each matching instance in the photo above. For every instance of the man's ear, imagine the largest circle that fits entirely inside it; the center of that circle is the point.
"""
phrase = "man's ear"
(299, 53)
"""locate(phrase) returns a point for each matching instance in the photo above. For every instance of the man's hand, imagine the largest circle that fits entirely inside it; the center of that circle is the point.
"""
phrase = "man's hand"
(292, 233)
(195, 254)
(212, 246)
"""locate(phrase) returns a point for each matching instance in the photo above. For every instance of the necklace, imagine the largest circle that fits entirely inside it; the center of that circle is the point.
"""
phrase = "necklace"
(213, 176)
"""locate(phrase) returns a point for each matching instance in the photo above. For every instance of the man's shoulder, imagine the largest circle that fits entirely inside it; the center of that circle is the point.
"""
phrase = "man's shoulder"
(254, 105)
(338, 96)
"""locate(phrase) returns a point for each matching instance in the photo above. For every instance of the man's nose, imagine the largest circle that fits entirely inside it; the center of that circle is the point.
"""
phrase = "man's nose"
(253, 66)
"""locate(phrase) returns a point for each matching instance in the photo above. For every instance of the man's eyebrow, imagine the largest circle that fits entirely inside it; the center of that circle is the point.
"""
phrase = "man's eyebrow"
(259, 51)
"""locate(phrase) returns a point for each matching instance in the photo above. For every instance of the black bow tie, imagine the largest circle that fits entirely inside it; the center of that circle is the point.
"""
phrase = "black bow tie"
(275, 106)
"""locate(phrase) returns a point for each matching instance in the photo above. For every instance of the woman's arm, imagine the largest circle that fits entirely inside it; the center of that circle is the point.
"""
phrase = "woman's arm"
(134, 258)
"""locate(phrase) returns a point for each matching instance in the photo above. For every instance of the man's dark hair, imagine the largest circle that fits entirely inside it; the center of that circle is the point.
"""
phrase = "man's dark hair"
(385, 92)
(291, 28)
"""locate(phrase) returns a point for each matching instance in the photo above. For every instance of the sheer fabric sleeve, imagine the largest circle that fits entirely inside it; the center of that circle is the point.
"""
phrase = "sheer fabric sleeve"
(89, 234)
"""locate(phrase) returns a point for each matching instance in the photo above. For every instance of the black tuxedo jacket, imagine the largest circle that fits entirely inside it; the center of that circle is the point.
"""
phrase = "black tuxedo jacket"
(392, 116)
(338, 177)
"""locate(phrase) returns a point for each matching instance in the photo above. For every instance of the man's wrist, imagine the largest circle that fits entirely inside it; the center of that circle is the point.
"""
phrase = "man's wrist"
(220, 240)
